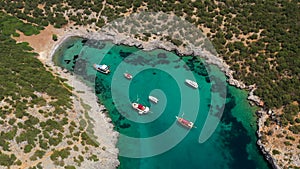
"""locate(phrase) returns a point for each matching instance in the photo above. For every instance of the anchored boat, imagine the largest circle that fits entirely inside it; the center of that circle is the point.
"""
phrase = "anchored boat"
(153, 99)
(140, 108)
(191, 83)
(185, 123)
(102, 68)
(128, 76)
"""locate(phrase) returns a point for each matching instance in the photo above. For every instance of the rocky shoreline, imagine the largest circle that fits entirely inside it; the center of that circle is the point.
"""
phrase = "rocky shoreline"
(262, 116)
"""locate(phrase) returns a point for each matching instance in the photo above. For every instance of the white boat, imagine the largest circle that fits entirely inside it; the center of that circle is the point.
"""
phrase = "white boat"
(185, 123)
(102, 68)
(192, 83)
(128, 76)
(153, 99)
(140, 108)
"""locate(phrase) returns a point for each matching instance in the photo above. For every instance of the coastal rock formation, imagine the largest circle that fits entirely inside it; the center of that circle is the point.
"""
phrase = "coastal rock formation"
(254, 98)
(260, 122)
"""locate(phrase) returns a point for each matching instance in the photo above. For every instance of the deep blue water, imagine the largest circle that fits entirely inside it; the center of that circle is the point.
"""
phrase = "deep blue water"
(156, 140)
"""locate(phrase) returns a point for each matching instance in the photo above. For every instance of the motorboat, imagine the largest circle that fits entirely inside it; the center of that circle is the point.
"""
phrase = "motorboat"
(140, 108)
(191, 83)
(153, 99)
(102, 68)
(184, 122)
(128, 76)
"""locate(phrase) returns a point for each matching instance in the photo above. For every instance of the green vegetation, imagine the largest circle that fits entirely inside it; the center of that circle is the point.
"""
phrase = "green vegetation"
(287, 143)
(290, 138)
(27, 148)
(93, 158)
(275, 152)
(7, 160)
(70, 167)
(54, 37)
(22, 78)
(37, 154)
(263, 42)
(64, 153)
(87, 139)
(295, 129)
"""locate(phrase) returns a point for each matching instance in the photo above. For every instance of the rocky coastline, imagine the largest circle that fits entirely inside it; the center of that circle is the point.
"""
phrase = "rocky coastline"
(262, 116)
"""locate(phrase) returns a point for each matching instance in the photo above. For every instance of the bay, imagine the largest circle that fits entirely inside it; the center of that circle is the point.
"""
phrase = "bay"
(156, 140)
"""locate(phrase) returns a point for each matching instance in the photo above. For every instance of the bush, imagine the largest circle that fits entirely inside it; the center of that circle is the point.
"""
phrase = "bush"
(275, 152)
(70, 167)
(27, 148)
(6, 160)
(295, 129)
(37, 154)
(290, 138)
(54, 37)
(287, 143)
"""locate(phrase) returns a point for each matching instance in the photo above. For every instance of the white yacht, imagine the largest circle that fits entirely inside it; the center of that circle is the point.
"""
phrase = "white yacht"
(153, 99)
(192, 83)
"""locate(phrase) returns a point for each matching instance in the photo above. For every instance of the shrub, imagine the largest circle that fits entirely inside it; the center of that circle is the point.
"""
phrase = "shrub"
(275, 152)
(290, 138)
(7, 160)
(287, 143)
(70, 167)
(27, 148)
(54, 37)
(295, 129)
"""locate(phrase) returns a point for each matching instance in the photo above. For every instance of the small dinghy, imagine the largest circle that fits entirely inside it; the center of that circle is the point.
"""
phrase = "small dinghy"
(153, 99)
(128, 76)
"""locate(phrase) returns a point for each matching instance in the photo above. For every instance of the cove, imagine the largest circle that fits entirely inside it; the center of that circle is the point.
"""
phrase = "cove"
(161, 73)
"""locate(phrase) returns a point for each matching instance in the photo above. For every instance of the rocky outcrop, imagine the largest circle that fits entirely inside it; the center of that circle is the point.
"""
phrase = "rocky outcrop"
(267, 155)
(263, 115)
(255, 100)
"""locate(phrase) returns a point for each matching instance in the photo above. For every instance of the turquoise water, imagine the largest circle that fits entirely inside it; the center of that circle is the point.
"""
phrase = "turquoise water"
(163, 143)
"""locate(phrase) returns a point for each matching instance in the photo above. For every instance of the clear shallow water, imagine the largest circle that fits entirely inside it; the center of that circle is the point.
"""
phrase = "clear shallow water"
(162, 74)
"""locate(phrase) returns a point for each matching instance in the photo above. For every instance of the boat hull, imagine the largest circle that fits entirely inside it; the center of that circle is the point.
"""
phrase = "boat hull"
(140, 108)
(191, 83)
(153, 99)
(184, 122)
(128, 76)
(97, 67)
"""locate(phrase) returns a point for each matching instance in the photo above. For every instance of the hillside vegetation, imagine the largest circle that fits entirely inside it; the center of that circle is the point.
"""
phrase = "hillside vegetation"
(259, 39)
(36, 107)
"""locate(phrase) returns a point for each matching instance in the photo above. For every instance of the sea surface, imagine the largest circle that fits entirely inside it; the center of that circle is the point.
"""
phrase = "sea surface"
(225, 124)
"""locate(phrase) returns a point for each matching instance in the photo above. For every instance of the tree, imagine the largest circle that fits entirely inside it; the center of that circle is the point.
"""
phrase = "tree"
(54, 37)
